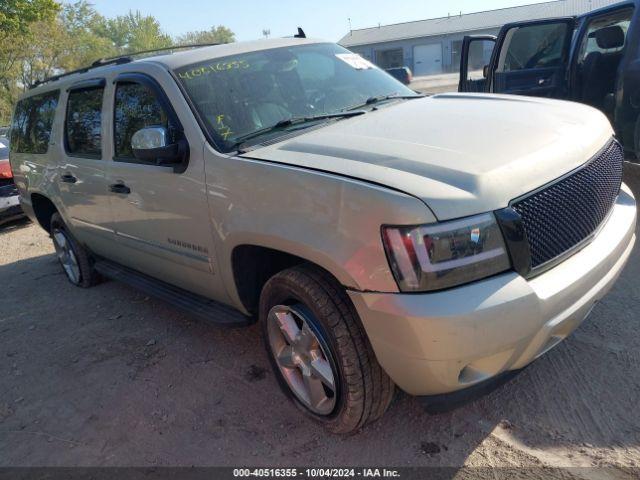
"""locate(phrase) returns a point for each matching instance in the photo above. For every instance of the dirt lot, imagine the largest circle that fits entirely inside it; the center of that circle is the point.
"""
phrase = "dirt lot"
(108, 376)
(434, 84)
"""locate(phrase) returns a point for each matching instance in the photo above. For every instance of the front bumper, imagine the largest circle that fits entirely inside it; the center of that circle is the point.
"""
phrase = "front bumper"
(442, 342)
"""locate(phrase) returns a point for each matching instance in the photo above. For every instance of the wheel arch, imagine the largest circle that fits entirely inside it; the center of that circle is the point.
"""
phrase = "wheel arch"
(43, 209)
(253, 265)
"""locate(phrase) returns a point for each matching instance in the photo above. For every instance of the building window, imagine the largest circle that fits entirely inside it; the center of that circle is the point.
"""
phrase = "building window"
(390, 58)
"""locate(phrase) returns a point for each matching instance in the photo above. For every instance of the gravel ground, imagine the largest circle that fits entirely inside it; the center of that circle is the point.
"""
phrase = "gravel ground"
(110, 377)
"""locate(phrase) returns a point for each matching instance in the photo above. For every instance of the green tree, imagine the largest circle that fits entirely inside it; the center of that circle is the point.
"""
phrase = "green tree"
(16, 19)
(63, 43)
(84, 29)
(17, 15)
(219, 34)
(40, 38)
(134, 32)
(42, 52)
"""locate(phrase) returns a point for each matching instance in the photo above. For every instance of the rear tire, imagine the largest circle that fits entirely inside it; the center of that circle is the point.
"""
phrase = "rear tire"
(304, 305)
(75, 260)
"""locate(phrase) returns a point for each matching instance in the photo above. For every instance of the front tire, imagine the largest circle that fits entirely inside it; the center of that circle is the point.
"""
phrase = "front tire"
(75, 260)
(319, 350)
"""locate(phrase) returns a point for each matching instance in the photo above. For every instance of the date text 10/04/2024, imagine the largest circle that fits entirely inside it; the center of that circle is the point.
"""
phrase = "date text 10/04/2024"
(316, 472)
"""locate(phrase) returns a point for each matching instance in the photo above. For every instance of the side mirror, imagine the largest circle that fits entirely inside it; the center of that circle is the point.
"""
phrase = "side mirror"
(150, 144)
(485, 71)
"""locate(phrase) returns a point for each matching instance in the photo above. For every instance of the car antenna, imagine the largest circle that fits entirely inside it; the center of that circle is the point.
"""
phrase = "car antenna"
(300, 34)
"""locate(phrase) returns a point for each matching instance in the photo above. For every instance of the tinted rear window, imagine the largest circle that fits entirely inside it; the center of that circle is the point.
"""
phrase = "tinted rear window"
(83, 123)
(32, 122)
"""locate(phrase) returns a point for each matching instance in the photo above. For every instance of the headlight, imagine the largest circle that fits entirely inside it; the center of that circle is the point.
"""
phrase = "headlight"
(443, 255)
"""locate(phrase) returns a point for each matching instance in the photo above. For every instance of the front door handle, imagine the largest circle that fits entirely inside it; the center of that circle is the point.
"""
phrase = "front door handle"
(120, 188)
(68, 178)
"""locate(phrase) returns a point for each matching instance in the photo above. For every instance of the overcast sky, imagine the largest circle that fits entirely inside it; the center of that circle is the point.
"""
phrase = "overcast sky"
(327, 19)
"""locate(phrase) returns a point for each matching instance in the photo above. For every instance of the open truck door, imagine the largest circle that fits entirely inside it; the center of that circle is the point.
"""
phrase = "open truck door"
(529, 58)
(477, 51)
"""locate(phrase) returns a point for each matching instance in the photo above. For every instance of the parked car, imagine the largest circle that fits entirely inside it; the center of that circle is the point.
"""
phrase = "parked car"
(380, 237)
(592, 59)
(9, 197)
(402, 74)
(4, 132)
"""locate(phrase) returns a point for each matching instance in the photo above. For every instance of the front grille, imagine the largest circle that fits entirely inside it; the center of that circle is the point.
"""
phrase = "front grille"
(561, 216)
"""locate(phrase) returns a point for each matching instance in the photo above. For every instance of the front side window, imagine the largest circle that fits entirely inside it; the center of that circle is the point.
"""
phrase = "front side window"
(535, 46)
(242, 94)
(136, 107)
(83, 125)
(32, 123)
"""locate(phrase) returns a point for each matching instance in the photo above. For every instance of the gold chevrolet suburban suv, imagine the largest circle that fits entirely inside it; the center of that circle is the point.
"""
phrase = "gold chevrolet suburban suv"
(380, 237)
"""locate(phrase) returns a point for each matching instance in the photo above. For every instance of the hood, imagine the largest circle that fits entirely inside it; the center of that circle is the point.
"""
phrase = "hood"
(461, 154)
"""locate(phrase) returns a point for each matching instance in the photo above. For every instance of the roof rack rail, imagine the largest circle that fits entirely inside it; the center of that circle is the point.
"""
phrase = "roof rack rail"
(117, 60)
(109, 60)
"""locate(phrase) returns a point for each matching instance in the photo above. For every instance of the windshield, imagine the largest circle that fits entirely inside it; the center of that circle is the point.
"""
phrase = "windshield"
(236, 96)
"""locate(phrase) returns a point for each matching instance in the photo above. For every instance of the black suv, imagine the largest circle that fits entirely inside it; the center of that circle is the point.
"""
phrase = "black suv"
(592, 59)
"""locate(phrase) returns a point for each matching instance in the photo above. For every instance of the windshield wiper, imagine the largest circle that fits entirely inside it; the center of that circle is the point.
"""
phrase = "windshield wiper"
(384, 98)
(294, 121)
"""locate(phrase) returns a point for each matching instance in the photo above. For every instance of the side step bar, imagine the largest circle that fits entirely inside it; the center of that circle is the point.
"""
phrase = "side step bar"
(198, 306)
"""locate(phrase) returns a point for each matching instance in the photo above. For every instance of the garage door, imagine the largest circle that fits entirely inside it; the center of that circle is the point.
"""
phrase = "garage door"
(427, 59)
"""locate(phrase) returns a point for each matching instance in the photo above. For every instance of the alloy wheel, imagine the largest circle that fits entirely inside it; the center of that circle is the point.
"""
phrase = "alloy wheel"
(302, 358)
(66, 255)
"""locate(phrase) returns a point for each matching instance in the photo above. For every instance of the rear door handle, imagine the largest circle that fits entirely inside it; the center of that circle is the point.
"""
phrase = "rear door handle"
(68, 178)
(120, 188)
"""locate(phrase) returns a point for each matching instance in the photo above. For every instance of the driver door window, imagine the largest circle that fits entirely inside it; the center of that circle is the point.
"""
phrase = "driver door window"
(535, 46)
(534, 58)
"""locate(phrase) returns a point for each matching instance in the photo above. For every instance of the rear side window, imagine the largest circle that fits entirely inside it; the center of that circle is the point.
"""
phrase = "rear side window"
(32, 122)
(606, 34)
(83, 125)
(136, 107)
